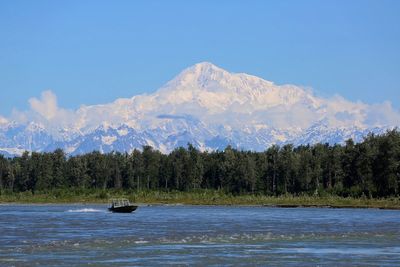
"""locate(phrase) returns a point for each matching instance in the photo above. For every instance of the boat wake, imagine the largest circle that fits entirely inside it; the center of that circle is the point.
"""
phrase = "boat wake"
(85, 210)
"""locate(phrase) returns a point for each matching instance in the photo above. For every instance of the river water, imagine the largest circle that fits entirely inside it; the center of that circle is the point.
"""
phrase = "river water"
(70, 235)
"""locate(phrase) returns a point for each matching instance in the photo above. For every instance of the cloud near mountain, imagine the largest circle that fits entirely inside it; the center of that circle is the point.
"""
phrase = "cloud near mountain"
(204, 105)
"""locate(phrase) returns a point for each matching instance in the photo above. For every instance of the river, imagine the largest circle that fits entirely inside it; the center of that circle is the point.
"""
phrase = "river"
(73, 235)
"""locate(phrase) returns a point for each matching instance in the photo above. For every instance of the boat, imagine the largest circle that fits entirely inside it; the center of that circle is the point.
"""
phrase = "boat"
(121, 205)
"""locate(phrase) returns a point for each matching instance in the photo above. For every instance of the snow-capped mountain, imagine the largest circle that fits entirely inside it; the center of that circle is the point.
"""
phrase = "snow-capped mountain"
(205, 106)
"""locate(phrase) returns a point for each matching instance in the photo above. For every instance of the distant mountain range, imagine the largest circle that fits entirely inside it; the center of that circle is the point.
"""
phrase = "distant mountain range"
(205, 106)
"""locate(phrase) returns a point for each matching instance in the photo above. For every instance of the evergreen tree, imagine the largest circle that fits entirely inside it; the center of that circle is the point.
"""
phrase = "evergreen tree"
(370, 168)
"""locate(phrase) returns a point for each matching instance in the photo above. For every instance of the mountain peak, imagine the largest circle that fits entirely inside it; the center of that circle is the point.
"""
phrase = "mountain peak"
(200, 73)
(204, 73)
(204, 67)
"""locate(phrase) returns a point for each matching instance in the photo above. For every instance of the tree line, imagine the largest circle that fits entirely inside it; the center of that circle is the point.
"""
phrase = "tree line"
(370, 168)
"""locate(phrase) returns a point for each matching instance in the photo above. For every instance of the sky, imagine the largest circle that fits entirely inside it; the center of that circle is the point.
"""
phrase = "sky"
(92, 52)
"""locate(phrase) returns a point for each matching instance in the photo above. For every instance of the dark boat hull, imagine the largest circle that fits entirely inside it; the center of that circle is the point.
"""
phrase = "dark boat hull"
(124, 209)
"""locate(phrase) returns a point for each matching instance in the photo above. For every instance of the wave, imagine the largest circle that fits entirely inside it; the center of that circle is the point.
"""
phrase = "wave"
(297, 244)
(86, 210)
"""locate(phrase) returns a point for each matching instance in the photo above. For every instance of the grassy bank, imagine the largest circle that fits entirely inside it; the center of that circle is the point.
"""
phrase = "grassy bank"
(199, 197)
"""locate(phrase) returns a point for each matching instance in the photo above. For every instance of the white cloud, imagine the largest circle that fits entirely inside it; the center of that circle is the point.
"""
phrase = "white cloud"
(46, 105)
(383, 115)
(3, 120)
(46, 112)
(340, 112)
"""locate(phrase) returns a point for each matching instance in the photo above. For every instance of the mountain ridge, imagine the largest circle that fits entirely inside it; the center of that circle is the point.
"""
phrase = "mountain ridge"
(204, 105)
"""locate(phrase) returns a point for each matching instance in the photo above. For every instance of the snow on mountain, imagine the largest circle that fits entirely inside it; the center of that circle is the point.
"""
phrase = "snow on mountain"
(17, 138)
(203, 105)
(321, 133)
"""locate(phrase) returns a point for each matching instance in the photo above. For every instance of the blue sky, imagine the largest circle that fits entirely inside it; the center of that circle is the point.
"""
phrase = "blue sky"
(91, 52)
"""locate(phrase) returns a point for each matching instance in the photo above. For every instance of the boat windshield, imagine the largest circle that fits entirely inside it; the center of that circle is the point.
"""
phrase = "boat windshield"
(120, 202)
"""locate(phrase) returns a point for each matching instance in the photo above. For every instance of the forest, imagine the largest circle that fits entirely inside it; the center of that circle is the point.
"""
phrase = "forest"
(370, 169)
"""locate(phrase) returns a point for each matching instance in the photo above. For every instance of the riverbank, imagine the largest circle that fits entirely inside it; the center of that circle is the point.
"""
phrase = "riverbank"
(199, 197)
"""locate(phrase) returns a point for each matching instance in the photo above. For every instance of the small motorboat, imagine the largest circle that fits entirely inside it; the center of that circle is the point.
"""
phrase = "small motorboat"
(121, 205)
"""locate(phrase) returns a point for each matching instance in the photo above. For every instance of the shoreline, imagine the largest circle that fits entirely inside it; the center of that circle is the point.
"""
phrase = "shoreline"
(285, 206)
(199, 197)
(211, 205)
